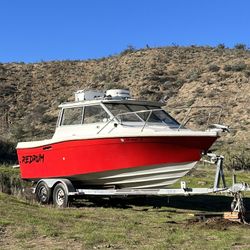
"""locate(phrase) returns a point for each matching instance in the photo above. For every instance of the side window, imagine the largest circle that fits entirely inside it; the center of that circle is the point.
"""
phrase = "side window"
(72, 116)
(94, 114)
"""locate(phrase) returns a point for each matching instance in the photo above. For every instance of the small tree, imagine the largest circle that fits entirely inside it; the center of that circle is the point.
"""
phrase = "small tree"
(221, 46)
(128, 50)
(240, 46)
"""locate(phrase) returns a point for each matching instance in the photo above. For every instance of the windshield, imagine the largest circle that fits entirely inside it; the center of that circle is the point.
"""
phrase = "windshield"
(140, 113)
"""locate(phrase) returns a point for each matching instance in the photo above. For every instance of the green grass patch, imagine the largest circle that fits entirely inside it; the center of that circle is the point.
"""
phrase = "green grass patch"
(142, 223)
(139, 226)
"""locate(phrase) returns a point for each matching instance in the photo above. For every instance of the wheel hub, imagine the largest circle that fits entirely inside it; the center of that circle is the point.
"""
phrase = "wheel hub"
(60, 197)
(43, 194)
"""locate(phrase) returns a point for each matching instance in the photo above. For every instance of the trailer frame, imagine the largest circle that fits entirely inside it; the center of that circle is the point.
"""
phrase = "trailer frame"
(59, 191)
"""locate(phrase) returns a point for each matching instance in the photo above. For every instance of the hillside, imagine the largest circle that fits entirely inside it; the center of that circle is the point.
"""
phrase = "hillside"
(182, 76)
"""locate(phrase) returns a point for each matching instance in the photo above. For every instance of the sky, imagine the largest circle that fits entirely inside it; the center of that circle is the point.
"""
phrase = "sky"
(47, 30)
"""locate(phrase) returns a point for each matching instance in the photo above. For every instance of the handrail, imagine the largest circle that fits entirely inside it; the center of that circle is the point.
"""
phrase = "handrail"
(129, 113)
(106, 124)
(144, 125)
(185, 120)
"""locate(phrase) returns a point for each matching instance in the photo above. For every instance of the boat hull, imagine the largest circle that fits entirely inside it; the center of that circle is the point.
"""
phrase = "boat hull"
(156, 176)
(137, 162)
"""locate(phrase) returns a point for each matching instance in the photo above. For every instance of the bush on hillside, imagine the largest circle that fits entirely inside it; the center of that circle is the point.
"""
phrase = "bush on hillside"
(128, 50)
(213, 68)
(7, 152)
(221, 46)
(238, 161)
(227, 68)
(247, 73)
(240, 46)
(237, 67)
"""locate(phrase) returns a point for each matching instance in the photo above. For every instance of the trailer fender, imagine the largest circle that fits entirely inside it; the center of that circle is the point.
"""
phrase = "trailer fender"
(53, 182)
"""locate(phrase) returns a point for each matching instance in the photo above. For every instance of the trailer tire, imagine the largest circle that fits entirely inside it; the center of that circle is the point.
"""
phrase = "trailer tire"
(60, 196)
(43, 193)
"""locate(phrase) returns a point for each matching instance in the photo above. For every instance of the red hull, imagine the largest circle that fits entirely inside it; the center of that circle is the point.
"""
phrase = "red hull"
(79, 157)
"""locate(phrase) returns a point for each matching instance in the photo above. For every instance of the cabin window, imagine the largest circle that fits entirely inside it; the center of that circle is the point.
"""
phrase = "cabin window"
(142, 115)
(94, 114)
(162, 116)
(72, 116)
(122, 112)
(138, 115)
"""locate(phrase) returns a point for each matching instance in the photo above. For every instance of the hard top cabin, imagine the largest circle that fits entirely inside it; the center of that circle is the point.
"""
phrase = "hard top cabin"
(94, 112)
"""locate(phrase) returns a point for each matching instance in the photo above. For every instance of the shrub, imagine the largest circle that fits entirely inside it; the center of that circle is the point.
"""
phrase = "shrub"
(227, 68)
(221, 46)
(7, 89)
(213, 68)
(7, 152)
(194, 74)
(239, 67)
(238, 161)
(17, 131)
(235, 67)
(199, 91)
(128, 50)
(240, 46)
(46, 118)
(247, 73)
(11, 183)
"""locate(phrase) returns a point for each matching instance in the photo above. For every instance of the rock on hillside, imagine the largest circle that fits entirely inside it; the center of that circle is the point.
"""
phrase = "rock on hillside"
(182, 76)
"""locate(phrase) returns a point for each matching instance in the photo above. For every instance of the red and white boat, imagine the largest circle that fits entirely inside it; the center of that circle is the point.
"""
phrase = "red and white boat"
(111, 140)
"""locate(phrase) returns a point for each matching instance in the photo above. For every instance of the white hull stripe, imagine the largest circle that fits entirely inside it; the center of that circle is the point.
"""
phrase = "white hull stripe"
(141, 177)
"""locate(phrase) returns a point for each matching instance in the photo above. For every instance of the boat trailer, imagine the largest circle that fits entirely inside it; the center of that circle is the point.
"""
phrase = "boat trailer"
(63, 189)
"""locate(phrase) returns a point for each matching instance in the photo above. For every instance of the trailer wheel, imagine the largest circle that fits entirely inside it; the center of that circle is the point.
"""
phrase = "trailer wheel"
(233, 205)
(60, 196)
(43, 193)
